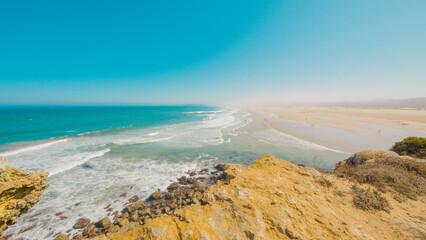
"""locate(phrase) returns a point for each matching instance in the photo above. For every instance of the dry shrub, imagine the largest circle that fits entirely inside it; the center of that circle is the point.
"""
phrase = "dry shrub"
(401, 174)
(400, 198)
(324, 182)
(369, 200)
(339, 193)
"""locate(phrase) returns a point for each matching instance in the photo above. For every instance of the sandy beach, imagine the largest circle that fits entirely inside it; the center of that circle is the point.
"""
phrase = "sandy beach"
(348, 129)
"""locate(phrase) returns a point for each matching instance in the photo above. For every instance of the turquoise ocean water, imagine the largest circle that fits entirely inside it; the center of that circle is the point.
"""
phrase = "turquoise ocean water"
(36, 123)
(94, 154)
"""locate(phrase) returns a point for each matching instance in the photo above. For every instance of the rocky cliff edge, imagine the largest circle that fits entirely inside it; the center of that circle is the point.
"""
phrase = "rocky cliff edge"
(19, 191)
(275, 199)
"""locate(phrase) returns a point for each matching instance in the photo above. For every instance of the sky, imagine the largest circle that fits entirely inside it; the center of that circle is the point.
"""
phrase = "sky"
(210, 52)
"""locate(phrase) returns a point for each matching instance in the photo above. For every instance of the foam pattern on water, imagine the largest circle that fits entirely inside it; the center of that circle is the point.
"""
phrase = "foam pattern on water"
(91, 170)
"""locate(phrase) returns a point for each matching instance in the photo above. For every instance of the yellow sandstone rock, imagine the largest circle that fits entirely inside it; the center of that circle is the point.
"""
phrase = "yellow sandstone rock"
(275, 199)
(19, 191)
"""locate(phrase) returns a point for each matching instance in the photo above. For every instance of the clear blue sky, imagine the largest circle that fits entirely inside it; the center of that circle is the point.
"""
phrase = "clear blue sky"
(207, 52)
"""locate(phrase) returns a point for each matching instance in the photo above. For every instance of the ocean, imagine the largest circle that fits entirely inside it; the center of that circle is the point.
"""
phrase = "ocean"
(96, 154)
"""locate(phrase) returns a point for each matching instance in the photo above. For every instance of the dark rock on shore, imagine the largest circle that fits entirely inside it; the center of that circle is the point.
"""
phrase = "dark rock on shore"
(135, 206)
(90, 231)
(183, 180)
(104, 223)
(220, 167)
(173, 186)
(155, 196)
(62, 237)
(187, 191)
(81, 223)
(133, 199)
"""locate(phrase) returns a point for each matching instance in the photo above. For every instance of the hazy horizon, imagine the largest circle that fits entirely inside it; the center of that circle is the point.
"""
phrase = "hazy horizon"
(213, 53)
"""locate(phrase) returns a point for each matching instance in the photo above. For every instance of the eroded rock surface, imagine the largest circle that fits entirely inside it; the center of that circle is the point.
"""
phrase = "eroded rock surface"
(275, 199)
(19, 191)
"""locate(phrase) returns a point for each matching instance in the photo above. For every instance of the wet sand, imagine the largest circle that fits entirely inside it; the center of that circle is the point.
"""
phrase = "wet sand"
(347, 129)
(347, 117)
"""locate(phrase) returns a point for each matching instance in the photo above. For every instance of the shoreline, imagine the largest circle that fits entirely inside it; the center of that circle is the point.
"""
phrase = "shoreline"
(342, 134)
(349, 118)
(278, 134)
(274, 188)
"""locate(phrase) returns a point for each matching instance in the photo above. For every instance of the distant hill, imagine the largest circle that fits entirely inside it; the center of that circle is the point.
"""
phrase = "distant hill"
(390, 103)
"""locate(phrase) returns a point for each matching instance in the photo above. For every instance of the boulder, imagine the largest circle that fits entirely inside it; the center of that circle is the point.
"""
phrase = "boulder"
(62, 237)
(225, 177)
(90, 231)
(190, 192)
(183, 180)
(220, 167)
(125, 215)
(105, 222)
(156, 195)
(81, 223)
(134, 217)
(78, 236)
(166, 210)
(191, 180)
(145, 212)
(122, 222)
(135, 206)
(114, 229)
(198, 195)
(173, 186)
(169, 196)
(133, 199)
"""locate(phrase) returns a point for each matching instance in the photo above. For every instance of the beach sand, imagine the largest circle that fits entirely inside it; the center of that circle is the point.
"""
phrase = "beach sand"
(347, 129)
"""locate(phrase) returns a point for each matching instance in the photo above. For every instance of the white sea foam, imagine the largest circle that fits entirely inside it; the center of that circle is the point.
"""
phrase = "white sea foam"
(307, 144)
(153, 133)
(134, 169)
(137, 140)
(191, 134)
(85, 133)
(198, 112)
(83, 157)
(137, 176)
(32, 148)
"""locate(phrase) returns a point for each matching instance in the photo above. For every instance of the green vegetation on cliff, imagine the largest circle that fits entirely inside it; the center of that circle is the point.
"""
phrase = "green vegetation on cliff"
(413, 146)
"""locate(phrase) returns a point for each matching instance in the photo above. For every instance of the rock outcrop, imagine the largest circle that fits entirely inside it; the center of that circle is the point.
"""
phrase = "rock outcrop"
(275, 199)
(187, 191)
(19, 191)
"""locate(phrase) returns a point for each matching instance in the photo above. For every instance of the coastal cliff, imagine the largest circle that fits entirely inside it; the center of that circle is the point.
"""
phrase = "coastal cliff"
(276, 199)
(19, 191)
